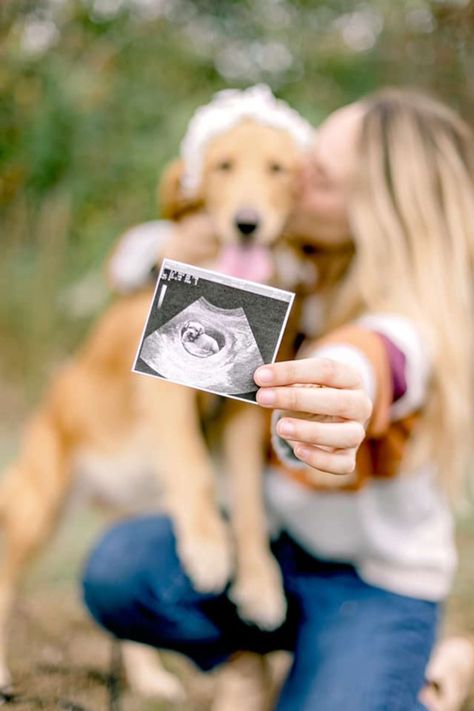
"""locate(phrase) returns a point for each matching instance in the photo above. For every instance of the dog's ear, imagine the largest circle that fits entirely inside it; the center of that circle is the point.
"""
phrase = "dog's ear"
(172, 202)
(170, 196)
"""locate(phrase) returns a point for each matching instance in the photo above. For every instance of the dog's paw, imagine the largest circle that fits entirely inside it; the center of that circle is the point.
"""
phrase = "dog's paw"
(147, 677)
(207, 556)
(259, 596)
(162, 685)
(5, 679)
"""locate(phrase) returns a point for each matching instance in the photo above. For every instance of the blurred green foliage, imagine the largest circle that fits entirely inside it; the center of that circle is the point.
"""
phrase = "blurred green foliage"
(95, 95)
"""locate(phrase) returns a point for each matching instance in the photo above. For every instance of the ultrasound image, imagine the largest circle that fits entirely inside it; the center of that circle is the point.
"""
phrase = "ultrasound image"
(210, 331)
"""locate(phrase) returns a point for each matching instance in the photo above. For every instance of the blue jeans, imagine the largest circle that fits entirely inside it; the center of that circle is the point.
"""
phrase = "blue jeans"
(355, 646)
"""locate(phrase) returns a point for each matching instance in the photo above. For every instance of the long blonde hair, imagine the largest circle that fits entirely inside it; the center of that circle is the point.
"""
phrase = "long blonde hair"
(412, 221)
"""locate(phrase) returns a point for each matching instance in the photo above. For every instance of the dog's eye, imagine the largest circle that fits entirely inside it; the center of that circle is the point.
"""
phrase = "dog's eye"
(276, 167)
(225, 166)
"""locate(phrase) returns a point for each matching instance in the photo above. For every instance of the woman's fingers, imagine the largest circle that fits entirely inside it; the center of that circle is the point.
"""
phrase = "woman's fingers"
(337, 462)
(311, 371)
(347, 404)
(341, 435)
(314, 388)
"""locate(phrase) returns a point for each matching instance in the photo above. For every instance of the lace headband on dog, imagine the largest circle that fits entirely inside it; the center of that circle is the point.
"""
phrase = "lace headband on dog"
(226, 109)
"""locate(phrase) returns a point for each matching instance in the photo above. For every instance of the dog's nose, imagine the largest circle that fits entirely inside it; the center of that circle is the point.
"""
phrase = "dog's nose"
(247, 222)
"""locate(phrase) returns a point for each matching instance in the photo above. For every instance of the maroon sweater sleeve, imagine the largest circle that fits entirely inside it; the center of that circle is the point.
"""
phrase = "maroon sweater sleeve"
(397, 362)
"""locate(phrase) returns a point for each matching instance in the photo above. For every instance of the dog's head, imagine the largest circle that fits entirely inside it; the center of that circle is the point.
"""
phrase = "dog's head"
(239, 160)
(248, 182)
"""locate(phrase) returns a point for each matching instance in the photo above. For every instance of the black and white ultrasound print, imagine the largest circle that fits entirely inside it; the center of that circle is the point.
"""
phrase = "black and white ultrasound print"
(210, 331)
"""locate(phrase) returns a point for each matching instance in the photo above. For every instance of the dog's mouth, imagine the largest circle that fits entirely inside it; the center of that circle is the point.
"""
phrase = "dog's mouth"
(246, 261)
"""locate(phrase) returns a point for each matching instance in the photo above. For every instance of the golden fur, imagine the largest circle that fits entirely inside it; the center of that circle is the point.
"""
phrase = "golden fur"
(96, 409)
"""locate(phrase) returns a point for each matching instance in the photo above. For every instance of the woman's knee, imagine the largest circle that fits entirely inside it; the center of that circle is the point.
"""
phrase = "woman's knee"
(135, 587)
(116, 573)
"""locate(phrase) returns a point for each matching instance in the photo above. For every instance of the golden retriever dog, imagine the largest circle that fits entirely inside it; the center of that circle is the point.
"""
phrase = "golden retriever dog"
(124, 433)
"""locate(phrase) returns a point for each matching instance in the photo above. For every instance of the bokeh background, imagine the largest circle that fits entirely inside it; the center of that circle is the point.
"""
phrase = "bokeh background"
(94, 97)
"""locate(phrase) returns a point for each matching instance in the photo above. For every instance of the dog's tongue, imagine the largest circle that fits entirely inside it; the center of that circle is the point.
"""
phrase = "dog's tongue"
(252, 262)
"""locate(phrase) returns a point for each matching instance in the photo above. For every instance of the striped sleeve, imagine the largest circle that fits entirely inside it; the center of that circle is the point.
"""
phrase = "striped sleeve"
(405, 336)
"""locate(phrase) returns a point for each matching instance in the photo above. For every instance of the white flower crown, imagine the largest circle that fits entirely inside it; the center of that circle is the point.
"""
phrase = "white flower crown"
(224, 111)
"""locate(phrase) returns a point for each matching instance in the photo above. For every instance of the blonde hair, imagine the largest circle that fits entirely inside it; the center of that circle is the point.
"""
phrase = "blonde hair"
(412, 221)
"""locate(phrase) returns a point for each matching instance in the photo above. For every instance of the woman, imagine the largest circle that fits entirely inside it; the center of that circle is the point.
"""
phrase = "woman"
(371, 448)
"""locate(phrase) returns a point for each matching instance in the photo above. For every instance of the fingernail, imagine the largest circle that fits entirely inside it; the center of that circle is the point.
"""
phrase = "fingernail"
(301, 452)
(266, 396)
(265, 375)
(285, 428)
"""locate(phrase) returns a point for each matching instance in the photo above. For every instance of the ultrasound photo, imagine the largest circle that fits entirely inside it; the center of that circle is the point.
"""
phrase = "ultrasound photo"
(210, 331)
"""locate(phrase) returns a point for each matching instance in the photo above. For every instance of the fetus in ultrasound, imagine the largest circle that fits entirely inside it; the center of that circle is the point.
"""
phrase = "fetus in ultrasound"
(197, 342)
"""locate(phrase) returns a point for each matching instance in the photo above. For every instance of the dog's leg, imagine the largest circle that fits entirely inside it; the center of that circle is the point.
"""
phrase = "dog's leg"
(258, 589)
(31, 493)
(183, 462)
(147, 676)
(243, 683)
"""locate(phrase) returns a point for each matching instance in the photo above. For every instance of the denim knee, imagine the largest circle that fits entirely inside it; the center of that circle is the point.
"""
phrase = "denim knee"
(114, 575)
(135, 587)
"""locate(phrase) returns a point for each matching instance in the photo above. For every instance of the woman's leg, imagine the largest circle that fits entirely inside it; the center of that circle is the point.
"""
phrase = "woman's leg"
(135, 587)
(358, 647)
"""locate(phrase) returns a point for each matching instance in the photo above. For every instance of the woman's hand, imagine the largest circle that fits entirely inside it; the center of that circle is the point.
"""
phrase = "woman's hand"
(328, 410)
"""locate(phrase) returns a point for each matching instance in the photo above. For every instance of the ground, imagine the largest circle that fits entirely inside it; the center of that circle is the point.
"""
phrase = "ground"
(61, 660)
